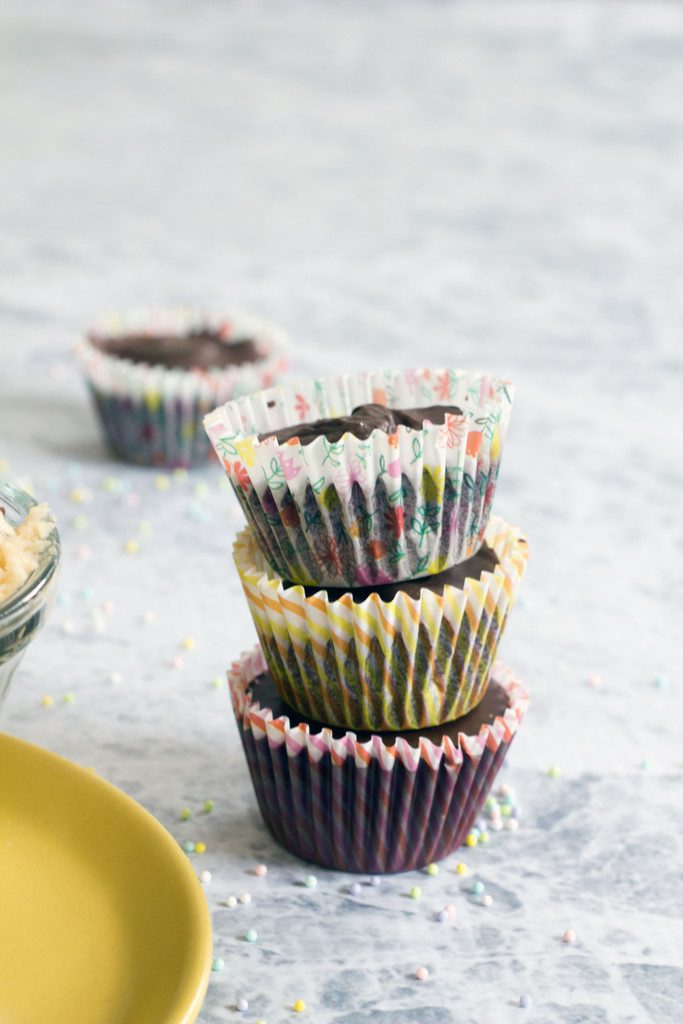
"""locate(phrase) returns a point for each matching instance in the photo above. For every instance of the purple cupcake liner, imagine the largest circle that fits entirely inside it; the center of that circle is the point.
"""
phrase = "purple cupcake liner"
(367, 807)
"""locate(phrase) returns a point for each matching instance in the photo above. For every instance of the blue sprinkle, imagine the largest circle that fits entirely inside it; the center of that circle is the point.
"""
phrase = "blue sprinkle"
(218, 964)
(441, 916)
(524, 1001)
(478, 888)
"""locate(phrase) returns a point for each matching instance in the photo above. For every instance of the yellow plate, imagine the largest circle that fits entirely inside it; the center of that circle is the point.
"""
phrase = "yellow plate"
(102, 919)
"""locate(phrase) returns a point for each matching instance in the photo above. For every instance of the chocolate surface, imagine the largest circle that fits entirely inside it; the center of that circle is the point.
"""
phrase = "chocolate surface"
(494, 702)
(203, 348)
(485, 560)
(362, 421)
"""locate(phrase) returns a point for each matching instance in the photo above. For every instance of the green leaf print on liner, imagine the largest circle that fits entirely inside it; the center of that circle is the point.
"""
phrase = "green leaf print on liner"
(422, 565)
(418, 449)
(426, 520)
(274, 479)
(226, 447)
(318, 485)
(332, 451)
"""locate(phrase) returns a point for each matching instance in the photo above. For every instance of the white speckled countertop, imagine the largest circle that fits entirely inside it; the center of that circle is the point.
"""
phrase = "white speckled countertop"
(494, 184)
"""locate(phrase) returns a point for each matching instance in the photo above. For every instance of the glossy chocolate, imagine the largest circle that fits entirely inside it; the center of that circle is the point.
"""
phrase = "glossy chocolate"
(494, 702)
(203, 348)
(362, 421)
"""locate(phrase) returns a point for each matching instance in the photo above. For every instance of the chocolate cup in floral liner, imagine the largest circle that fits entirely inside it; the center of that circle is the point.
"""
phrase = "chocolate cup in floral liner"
(369, 806)
(152, 414)
(384, 509)
(400, 664)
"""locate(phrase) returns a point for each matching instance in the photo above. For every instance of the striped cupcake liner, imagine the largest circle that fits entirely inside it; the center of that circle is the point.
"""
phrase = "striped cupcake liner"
(407, 663)
(152, 415)
(367, 807)
(356, 512)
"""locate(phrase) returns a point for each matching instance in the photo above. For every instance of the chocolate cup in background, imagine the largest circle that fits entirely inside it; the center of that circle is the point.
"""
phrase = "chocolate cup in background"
(407, 663)
(22, 615)
(383, 509)
(367, 807)
(152, 415)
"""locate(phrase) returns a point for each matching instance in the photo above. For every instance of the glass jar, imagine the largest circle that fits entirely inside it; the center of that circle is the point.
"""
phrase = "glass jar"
(23, 613)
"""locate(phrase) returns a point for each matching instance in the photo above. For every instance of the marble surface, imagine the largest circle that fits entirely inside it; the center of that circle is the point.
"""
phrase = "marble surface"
(491, 184)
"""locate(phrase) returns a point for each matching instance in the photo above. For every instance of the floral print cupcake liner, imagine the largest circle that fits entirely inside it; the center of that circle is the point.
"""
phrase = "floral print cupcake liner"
(356, 512)
(407, 663)
(367, 807)
(152, 415)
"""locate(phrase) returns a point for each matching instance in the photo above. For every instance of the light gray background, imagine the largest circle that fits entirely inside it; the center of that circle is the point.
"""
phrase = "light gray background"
(495, 185)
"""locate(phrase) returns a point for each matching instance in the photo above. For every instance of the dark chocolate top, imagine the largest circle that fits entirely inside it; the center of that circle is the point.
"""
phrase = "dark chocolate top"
(362, 421)
(203, 348)
(485, 560)
(494, 702)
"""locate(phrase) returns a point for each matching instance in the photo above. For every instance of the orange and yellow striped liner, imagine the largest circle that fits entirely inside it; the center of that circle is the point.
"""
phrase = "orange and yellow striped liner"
(407, 663)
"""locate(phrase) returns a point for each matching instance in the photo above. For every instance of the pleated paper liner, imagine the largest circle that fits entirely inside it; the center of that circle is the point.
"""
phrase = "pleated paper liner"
(368, 807)
(152, 415)
(402, 664)
(356, 512)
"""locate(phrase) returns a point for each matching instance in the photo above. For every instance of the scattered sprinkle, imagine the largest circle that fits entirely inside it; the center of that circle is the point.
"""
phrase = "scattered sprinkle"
(242, 1004)
(511, 824)
(208, 806)
(645, 764)
(176, 661)
(132, 499)
(185, 814)
(231, 902)
(131, 547)
(180, 474)
(218, 964)
(660, 682)
(149, 617)
(217, 682)
(483, 838)
(554, 772)
(422, 974)
(145, 528)
(593, 680)
(200, 847)
(245, 897)
(310, 881)
(471, 839)
(524, 1001)
(461, 868)
(299, 1006)
(450, 910)
(569, 936)
(205, 877)
(68, 626)
(111, 483)
(47, 701)
(441, 916)
(83, 552)
(251, 935)
(432, 869)
(188, 846)
(80, 495)
(80, 522)
(486, 900)
(355, 889)
(375, 881)
(189, 643)
(261, 869)
(415, 892)
(115, 678)
(200, 490)
(162, 482)
(68, 698)
(478, 888)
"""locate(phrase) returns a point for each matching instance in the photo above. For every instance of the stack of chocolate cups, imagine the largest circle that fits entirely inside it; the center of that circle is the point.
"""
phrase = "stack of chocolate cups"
(373, 715)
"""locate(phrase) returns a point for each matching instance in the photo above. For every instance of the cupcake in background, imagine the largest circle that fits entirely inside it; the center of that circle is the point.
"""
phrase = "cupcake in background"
(367, 478)
(155, 375)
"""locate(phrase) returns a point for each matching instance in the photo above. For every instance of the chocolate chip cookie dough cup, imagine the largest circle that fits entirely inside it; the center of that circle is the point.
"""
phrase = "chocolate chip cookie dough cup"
(381, 508)
(374, 803)
(368, 663)
(151, 412)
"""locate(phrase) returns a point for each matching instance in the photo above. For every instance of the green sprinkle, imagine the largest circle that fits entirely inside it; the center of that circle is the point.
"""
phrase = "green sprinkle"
(218, 964)
(554, 772)
(208, 806)
(251, 935)
(217, 682)
(68, 698)
(415, 892)
(188, 846)
(432, 869)
(185, 814)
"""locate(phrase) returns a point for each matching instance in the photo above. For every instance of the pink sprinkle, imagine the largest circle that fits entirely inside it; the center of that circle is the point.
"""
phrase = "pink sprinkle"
(108, 607)
(260, 870)
(83, 552)
(132, 499)
(177, 662)
(422, 974)
(450, 909)
(569, 936)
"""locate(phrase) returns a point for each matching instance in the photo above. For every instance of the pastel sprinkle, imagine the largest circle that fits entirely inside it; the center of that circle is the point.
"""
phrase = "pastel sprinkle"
(217, 682)
(450, 910)
(180, 473)
(149, 617)
(231, 902)
(218, 964)
(524, 1001)
(111, 483)
(188, 846)
(594, 680)
(415, 892)
(432, 869)
(162, 482)
(422, 974)
(310, 881)
(355, 889)
(68, 626)
(80, 522)
(200, 490)
(68, 698)
(511, 824)
(114, 678)
(569, 936)
(205, 877)
(47, 701)
(132, 500)
(260, 870)
(200, 847)
(242, 1004)
(660, 682)
(478, 888)
(299, 1006)
(251, 935)
(461, 868)
(483, 838)
(471, 839)
(189, 643)
(185, 814)
(80, 495)
(245, 897)
(208, 806)
(506, 810)
(145, 528)
(441, 916)
(375, 881)
(554, 772)
(176, 661)
(132, 546)
(83, 552)
(486, 900)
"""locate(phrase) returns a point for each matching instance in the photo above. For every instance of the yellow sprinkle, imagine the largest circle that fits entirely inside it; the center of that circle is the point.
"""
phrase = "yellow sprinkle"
(471, 839)
(189, 643)
(180, 474)
(299, 1006)
(162, 482)
(131, 547)
(79, 495)
(461, 868)
(200, 847)
(47, 701)
(145, 528)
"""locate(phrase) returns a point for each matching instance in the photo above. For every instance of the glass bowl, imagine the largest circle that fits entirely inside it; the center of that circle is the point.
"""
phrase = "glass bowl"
(23, 613)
